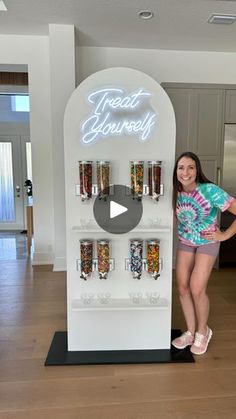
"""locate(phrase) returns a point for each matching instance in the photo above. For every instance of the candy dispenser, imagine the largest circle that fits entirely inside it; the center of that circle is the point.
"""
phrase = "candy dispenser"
(86, 258)
(153, 257)
(85, 173)
(154, 179)
(136, 172)
(103, 176)
(136, 256)
(123, 117)
(103, 253)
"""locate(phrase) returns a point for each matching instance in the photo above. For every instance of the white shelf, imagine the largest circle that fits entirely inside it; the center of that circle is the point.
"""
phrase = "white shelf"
(151, 229)
(119, 305)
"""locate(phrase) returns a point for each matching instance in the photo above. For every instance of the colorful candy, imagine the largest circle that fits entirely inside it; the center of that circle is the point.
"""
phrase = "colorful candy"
(103, 175)
(153, 257)
(136, 257)
(103, 254)
(85, 172)
(136, 173)
(154, 178)
(86, 258)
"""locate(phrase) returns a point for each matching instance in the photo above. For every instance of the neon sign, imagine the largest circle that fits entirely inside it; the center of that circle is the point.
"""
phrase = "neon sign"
(115, 113)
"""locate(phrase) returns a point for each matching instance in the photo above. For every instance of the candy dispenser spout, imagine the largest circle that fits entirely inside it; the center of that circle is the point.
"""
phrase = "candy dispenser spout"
(155, 274)
(103, 275)
(84, 276)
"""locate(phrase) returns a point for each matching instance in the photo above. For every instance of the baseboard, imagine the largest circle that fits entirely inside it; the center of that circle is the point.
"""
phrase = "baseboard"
(43, 268)
(59, 264)
(42, 258)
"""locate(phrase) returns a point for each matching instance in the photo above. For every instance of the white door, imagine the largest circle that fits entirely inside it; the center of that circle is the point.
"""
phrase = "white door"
(11, 184)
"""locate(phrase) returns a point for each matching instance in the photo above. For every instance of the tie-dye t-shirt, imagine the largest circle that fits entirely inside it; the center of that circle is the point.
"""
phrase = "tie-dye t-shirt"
(196, 212)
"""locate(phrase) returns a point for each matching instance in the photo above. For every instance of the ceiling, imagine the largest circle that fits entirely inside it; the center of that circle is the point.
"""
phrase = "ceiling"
(176, 25)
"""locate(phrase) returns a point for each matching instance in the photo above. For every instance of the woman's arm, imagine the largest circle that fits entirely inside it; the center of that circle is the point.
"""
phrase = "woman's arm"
(230, 231)
(175, 221)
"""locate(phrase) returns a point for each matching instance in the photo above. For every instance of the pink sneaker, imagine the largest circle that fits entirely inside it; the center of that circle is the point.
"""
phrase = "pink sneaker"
(184, 340)
(200, 343)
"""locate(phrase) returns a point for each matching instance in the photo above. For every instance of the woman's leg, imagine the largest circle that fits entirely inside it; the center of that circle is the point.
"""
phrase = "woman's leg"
(198, 285)
(184, 267)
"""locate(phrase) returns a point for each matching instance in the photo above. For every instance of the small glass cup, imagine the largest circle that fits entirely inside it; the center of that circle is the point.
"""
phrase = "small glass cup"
(153, 297)
(104, 298)
(87, 298)
(136, 297)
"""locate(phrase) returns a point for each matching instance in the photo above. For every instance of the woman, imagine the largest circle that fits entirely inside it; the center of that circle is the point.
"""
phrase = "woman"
(196, 201)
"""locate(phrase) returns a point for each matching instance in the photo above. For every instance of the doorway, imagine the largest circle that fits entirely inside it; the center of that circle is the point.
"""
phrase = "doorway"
(15, 162)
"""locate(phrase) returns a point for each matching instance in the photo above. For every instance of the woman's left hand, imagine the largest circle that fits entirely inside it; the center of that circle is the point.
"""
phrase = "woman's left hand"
(216, 236)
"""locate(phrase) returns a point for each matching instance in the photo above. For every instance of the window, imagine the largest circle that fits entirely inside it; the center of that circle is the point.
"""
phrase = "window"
(20, 103)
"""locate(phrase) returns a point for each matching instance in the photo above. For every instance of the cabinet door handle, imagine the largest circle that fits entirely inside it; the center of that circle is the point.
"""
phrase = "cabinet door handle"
(218, 176)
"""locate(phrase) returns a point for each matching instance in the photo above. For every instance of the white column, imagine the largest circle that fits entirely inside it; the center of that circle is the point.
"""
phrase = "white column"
(62, 78)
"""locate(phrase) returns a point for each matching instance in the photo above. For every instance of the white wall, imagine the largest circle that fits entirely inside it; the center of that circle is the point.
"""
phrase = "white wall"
(34, 52)
(51, 67)
(62, 82)
(162, 65)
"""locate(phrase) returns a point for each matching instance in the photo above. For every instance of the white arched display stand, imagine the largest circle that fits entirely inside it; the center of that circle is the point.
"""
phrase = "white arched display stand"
(123, 329)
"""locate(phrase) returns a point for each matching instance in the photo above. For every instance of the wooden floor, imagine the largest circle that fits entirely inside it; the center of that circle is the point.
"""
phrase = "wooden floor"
(33, 308)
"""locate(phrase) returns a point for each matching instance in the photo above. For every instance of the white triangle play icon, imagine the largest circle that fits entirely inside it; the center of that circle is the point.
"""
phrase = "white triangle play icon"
(116, 209)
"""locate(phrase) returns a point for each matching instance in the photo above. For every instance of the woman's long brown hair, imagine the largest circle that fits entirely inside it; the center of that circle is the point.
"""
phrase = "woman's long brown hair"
(200, 178)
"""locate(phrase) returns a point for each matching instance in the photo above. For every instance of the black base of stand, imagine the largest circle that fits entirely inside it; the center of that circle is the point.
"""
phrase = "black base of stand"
(59, 355)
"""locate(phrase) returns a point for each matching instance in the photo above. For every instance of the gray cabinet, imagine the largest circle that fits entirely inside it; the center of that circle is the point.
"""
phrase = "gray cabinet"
(230, 107)
(183, 106)
(211, 168)
(199, 115)
(209, 105)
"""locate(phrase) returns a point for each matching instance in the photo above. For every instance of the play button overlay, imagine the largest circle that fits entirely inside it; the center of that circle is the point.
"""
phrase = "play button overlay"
(119, 213)
(116, 209)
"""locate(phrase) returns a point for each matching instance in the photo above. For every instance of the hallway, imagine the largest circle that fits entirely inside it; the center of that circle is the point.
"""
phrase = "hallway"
(13, 245)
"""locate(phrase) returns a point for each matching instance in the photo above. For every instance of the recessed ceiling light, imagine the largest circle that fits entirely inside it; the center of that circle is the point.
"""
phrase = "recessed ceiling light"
(146, 14)
(2, 6)
(223, 19)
